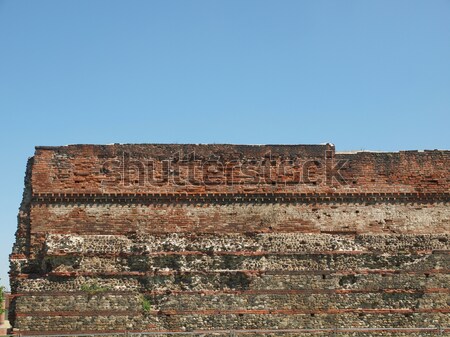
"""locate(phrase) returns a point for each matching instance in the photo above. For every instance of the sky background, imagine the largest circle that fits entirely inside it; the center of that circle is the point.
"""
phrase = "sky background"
(364, 75)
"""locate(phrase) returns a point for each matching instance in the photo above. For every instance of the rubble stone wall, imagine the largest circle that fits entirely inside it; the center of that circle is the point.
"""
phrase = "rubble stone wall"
(232, 239)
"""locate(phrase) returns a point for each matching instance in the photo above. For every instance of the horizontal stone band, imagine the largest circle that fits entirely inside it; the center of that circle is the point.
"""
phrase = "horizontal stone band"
(148, 198)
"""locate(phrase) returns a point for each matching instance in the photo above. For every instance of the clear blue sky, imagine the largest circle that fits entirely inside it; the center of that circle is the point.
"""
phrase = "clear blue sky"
(371, 75)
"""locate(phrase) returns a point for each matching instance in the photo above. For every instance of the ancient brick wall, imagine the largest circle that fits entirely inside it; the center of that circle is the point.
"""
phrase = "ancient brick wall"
(258, 240)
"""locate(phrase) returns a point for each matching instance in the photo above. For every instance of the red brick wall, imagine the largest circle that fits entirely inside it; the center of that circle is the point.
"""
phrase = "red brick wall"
(232, 237)
(235, 169)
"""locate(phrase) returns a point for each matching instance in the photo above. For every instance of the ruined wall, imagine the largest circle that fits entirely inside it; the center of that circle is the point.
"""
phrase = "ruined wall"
(261, 240)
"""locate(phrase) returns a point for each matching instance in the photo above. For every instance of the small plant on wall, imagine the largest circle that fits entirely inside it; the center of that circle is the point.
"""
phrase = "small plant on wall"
(146, 304)
(93, 289)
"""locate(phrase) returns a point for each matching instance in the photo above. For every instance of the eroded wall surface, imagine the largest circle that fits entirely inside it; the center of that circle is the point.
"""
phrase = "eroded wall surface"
(232, 239)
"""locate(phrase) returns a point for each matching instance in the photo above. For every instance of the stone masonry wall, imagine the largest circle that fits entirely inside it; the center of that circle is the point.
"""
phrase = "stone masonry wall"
(220, 240)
